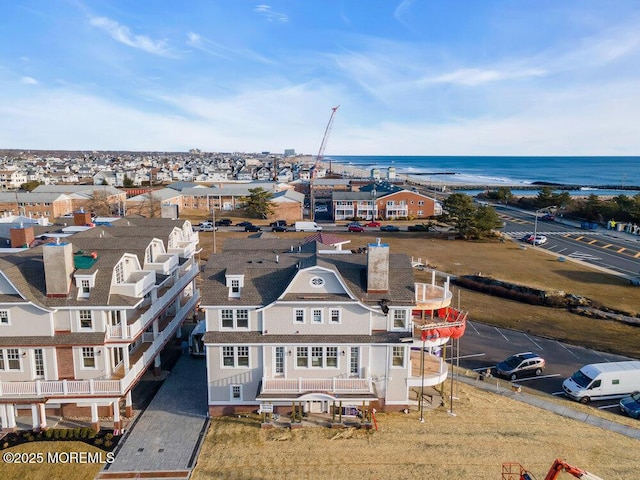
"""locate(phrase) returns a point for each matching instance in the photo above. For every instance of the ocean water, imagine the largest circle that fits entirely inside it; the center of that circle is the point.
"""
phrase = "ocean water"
(590, 172)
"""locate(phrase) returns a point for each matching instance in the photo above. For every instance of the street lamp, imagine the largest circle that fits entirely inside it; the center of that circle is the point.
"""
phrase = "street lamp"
(535, 223)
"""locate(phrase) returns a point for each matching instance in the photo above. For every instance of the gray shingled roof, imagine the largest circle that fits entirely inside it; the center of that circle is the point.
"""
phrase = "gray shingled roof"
(59, 338)
(265, 280)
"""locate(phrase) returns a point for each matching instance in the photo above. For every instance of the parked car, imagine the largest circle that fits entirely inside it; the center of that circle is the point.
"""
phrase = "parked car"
(279, 228)
(548, 217)
(631, 405)
(389, 228)
(539, 240)
(244, 224)
(520, 365)
(224, 222)
(321, 209)
(252, 228)
(354, 224)
(278, 223)
(421, 227)
(355, 228)
(206, 227)
(372, 223)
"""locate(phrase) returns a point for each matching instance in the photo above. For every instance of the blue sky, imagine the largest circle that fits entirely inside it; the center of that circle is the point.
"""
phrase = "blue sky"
(412, 77)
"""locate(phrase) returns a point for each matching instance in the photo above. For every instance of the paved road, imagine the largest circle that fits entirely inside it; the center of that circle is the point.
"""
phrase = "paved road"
(166, 437)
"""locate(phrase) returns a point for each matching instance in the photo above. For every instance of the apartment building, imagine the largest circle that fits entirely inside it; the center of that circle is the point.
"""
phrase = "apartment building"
(84, 317)
(309, 327)
(386, 206)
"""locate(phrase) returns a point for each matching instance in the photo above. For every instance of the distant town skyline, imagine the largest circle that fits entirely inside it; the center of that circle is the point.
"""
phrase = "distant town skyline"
(412, 77)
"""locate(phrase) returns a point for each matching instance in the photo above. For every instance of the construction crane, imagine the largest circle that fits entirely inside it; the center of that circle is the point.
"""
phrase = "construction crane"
(316, 165)
(515, 471)
(327, 130)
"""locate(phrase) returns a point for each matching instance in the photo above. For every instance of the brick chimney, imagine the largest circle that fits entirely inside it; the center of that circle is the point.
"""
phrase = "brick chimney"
(81, 218)
(377, 267)
(21, 236)
(58, 268)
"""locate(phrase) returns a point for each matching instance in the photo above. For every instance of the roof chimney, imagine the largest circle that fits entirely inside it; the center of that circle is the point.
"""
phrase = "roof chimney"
(377, 267)
(21, 237)
(58, 268)
(81, 218)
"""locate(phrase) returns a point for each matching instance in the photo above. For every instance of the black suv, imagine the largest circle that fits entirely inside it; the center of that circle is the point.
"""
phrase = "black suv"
(224, 222)
(520, 365)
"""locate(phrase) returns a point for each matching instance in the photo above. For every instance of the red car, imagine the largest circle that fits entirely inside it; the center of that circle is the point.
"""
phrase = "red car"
(372, 223)
(355, 228)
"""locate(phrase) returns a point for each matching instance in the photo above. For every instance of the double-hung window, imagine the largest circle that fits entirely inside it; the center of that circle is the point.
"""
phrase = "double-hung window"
(235, 356)
(234, 319)
(398, 357)
(86, 320)
(88, 357)
(317, 315)
(4, 317)
(335, 315)
(399, 319)
(298, 315)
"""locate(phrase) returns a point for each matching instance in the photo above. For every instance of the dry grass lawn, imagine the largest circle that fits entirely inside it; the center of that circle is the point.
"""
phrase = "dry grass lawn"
(50, 471)
(487, 430)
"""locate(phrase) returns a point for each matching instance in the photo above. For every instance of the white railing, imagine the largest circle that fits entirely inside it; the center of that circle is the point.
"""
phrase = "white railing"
(301, 385)
(157, 306)
(62, 388)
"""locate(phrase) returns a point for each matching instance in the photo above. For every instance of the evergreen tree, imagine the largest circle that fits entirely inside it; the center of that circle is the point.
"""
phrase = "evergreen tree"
(258, 203)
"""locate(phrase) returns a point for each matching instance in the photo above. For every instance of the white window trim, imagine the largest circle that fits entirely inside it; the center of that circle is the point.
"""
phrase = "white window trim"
(5, 356)
(393, 319)
(234, 319)
(313, 316)
(339, 310)
(404, 357)
(310, 357)
(82, 358)
(235, 357)
(304, 316)
(231, 387)
(80, 327)
(8, 318)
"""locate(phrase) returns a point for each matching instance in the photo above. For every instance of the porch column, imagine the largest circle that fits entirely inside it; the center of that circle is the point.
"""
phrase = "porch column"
(3, 416)
(11, 417)
(126, 363)
(128, 405)
(117, 424)
(156, 328)
(95, 421)
(156, 365)
(35, 421)
(43, 416)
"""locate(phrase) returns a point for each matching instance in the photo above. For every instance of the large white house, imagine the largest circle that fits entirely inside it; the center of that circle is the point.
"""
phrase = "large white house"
(307, 327)
(83, 318)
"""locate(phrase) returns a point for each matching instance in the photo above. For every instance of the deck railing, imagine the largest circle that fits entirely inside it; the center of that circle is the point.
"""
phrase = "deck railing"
(301, 385)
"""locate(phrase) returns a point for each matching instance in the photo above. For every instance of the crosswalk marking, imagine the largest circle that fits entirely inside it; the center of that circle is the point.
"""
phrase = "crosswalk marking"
(583, 256)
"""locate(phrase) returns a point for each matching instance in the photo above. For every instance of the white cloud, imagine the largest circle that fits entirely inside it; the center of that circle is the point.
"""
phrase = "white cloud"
(474, 76)
(123, 35)
(270, 15)
(29, 81)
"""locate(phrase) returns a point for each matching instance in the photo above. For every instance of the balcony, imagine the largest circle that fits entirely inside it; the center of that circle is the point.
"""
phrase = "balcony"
(137, 285)
(120, 382)
(328, 385)
(143, 317)
(185, 248)
(429, 296)
(435, 369)
(164, 264)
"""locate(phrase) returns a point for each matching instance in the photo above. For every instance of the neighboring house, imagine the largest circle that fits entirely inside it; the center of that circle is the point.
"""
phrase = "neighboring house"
(88, 197)
(386, 206)
(308, 327)
(150, 204)
(36, 204)
(82, 320)
(12, 179)
(287, 205)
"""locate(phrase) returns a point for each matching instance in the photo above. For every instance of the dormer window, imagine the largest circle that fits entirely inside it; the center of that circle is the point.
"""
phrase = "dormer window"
(235, 284)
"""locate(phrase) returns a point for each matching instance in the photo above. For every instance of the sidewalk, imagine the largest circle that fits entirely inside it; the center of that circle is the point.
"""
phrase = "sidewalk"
(165, 438)
(555, 407)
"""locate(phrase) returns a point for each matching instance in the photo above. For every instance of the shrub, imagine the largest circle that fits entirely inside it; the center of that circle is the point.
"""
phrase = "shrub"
(76, 432)
(108, 443)
(97, 442)
(49, 433)
(92, 433)
(108, 436)
(63, 433)
(84, 432)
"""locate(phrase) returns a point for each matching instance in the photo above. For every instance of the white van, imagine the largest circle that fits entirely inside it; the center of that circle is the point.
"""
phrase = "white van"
(603, 381)
(307, 227)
